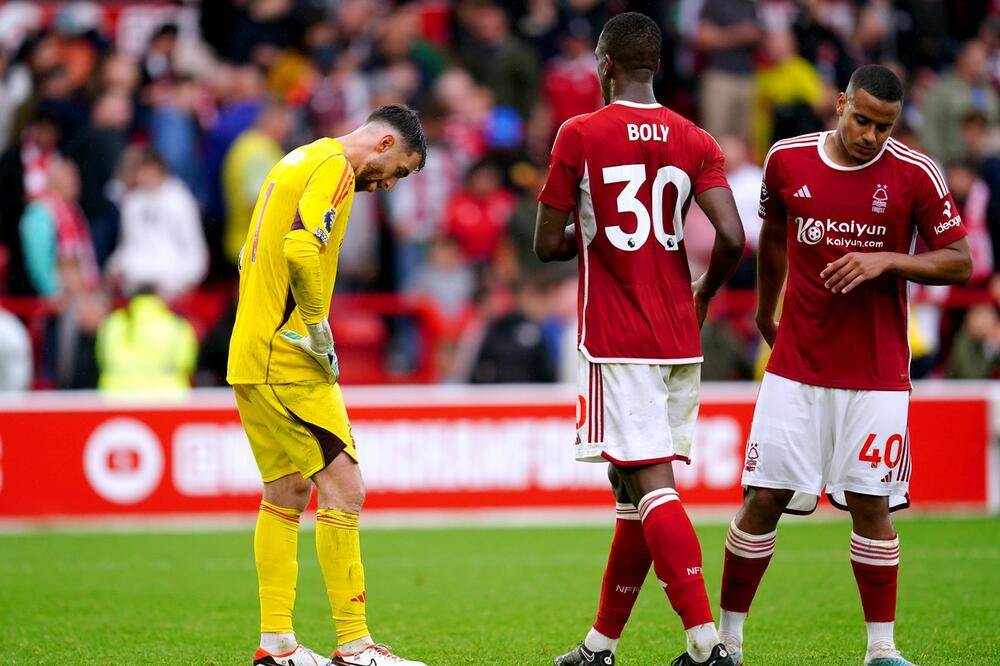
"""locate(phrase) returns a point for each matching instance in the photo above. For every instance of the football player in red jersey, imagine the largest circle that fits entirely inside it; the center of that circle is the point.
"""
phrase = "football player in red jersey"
(628, 173)
(841, 212)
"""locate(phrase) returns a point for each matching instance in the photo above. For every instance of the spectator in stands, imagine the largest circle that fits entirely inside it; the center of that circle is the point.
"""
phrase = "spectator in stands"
(55, 239)
(728, 33)
(570, 84)
(158, 61)
(972, 196)
(500, 61)
(821, 42)
(963, 88)
(162, 244)
(60, 263)
(788, 93)
(15, 354)
(23, 170)
(514, 348)
(15, 88)
(245, 169)
(744, 178)
(477, 216)
(975, 352)
(145, 347)
(239, 91)
(445, 279)
(97, 149)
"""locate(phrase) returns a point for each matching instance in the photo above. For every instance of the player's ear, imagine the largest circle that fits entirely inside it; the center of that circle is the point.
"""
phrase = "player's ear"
(607, 65)
(841, 103)
(385, 143)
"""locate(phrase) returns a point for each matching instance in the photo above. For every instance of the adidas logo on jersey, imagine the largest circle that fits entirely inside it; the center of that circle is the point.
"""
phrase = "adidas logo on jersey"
(803, 193)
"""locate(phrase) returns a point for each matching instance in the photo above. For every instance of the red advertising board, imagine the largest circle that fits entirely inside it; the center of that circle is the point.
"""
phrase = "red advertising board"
(449, 448)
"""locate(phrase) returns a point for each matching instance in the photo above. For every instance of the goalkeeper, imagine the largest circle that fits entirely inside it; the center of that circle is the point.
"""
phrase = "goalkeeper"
(284, 370)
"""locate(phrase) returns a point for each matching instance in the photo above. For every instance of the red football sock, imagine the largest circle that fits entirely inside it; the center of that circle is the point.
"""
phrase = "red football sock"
(747, 557)
(876, 568)
(676, 555)
(628, 564)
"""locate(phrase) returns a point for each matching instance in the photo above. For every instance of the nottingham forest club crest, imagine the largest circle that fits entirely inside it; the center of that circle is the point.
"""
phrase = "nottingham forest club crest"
(880, 199)
(752, 456)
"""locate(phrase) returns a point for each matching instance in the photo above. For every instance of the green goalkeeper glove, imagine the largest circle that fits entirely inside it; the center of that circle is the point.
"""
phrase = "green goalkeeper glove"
(318, 344)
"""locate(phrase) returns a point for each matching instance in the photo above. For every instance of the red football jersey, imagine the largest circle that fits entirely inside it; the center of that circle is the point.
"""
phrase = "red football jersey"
(628, 172)
(856, 340)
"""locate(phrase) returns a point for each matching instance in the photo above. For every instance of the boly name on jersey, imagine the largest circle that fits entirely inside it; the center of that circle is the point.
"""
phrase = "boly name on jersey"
(646, 132)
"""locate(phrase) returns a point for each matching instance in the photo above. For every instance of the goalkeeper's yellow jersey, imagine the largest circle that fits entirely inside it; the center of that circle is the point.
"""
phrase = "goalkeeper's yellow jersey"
(314, 184)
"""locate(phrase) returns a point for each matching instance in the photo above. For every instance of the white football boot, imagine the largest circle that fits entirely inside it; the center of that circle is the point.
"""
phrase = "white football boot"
(373, 655)
(300, 656)
(884, 653)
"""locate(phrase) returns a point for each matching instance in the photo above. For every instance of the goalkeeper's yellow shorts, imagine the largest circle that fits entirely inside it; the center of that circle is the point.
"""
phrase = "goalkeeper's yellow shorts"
(298, 427)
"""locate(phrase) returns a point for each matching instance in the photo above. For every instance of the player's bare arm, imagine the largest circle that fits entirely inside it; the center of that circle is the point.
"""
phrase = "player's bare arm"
(720, 207)
(772, 267)
(555, 237)
(951, 264)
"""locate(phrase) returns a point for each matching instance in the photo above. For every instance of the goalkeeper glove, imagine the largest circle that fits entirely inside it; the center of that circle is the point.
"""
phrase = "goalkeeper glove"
(318, 344)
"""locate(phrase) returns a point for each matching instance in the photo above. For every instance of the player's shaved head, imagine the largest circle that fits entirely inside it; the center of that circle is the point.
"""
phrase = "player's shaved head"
(878, 81)
(632, 40)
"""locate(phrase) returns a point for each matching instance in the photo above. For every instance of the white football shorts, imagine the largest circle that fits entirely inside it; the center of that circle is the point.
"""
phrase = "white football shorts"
(805, 438)
(636, 414)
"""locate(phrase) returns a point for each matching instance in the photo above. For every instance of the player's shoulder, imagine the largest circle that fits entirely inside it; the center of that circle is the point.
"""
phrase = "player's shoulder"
(916, 164)
(804, 145)
(317, 152)
(577, 124)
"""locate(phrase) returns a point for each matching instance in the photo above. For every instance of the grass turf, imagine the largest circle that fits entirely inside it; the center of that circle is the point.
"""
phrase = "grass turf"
(479, 596)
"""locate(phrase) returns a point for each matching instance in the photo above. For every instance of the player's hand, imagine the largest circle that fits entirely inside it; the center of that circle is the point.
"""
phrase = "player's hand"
(701, 300)
(768, 329)
(318, 344)
(853, 269)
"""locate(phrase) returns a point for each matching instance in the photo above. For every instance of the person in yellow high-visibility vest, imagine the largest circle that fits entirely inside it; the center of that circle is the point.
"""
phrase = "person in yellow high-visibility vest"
(144, 346)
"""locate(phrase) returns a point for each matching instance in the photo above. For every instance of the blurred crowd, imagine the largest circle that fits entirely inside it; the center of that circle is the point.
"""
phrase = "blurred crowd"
(134, 140)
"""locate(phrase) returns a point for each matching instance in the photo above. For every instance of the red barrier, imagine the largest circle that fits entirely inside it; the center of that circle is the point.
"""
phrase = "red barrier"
(426, 448)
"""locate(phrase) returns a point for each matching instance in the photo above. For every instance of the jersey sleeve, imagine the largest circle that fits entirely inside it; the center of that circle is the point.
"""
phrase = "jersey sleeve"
(772, 208)
(324, 195)
(713, 164)
(935, 212)
(565, 169)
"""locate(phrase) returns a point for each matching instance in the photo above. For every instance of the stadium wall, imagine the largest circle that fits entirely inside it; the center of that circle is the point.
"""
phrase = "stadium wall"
(444, 449)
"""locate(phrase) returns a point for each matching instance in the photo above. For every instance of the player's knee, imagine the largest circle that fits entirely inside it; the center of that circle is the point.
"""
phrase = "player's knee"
(354, 498)
(291, 491)
(868, 511)
(767, 502)
(618, 485)
(347, 496)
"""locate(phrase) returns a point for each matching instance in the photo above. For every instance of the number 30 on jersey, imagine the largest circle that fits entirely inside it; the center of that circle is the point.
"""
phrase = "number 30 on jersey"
(634, 175)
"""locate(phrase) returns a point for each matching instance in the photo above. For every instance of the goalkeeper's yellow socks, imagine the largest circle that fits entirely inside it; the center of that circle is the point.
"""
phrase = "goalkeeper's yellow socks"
(338, 546)
(275, 545)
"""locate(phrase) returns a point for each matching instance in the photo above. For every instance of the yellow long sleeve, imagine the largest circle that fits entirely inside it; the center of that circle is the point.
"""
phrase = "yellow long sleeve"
(301, 250)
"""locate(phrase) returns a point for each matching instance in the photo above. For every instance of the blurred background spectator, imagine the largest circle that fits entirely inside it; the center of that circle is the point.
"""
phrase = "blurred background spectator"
(134, 137)
(162, 243)
(143, 346)
(15, 354)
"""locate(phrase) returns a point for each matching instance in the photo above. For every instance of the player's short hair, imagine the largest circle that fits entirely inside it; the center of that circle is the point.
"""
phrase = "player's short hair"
(632, 40)
(404, 120)
(878, 81)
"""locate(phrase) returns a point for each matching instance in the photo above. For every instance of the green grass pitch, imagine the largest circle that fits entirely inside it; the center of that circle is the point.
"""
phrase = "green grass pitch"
(480, 596)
